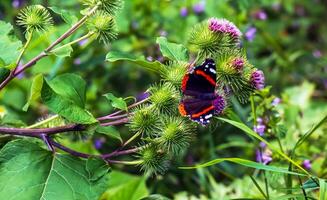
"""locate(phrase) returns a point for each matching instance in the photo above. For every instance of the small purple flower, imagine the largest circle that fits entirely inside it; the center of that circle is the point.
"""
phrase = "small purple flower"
(219, 104)
(149, 58)
(262, 145)
(263, 157)
(260, 15)
(98, 143)
(199, 8)
(307, 164)
(258, 79)
(143, 96)
(238, 64)
(260, 129)
(183, 12)
(316, 53)
(17, 3)
(250, 33)
(22, 74)
(224, 26)
(276, 101)
(163, 33)
(77, 61)
(83, 42)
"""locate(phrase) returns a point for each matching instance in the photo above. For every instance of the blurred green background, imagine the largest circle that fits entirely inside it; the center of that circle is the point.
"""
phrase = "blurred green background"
(285, 39)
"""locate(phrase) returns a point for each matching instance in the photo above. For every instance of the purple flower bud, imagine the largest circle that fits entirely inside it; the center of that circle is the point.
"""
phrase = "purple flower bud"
(183, 12)
(250, 33)
(149, 58)
(143, 96)
(199, 8)
(238, 64)
(258, 79)
(316, 53)
(259, 120)
(307, 164)
(276, 101)
(262, 145)
(260, 15)
(260, 129)
(219, 104)
(17, 3)
(224, 26)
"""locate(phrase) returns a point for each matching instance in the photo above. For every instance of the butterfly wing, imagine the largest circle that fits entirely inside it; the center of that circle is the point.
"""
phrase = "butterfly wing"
(198, 110)
(201, 80)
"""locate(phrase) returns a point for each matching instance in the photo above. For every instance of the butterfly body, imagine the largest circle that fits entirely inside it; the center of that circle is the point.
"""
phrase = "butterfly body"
(200, 102)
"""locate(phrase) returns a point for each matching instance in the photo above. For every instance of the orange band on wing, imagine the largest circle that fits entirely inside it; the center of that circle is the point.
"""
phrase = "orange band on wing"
(202, 73)
(182, 110)
(202, 112)
(184, 82)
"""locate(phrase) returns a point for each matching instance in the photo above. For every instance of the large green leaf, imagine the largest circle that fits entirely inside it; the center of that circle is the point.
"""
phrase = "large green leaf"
(323, 189)
(29, 172)
(125, 186)
(65, 106)
(172, 51)
(247, 163)
(35, 92)
(70, 86)
(9, 46)
(67, 16)
(4, 72)
(114, 56)
(63, 51)
(110, 132)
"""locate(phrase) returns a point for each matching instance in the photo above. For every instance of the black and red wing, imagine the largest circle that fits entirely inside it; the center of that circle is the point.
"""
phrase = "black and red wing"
(198, 110)
(201, 80)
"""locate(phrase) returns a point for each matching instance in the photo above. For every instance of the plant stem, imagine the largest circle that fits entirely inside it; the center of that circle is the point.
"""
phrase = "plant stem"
(45, 138)
(73, 42)
(134, 162)
(113, 117)
(253, 110)
(43, 122)
(117, 122)
(119, 153)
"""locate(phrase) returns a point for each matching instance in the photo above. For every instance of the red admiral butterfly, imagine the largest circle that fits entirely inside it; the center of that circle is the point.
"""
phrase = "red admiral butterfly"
(200, 101)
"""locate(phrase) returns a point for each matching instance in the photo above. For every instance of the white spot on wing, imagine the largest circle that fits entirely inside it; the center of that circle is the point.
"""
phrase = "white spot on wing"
(212, 71)
(208, 116)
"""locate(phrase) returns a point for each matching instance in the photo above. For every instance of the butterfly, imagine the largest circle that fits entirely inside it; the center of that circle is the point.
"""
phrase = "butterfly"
(200, 102)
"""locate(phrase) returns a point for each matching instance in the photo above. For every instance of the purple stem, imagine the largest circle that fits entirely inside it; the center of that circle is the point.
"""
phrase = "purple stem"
(129, 107)
(46, 138)
(117, 122)
(119, 153)
(107, 117)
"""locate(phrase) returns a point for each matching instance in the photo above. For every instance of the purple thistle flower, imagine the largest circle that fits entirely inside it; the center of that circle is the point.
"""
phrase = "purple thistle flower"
(263, 157)
(199, 8)
(260, 15)
(219, 104)
(258, 79)
(250, 33)
(307, 164)
(224, 26)
(183, 12)
(276, 101)
(238, 64)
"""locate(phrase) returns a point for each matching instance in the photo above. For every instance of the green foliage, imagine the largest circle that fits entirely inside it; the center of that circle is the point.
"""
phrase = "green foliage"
(73, 177)
(9, 45)
(35, 92)
(66, 15)
(172, 51)
(109, 131)
(116, 102)
(125, 186)
(67, 98)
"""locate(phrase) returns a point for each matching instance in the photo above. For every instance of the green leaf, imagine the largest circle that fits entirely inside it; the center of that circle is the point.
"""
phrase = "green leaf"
(247, 163)
(116, 102)
(114, 56)
(4, 72)
(9, 45)
(67, 16)
(65, 106)
(323, 189)
(125, 186)
(35, 92)
(63, 51)
(70, 86)
(29, 172)
(251, 133)
(110, 132)
(172, 51)
(155, 197)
